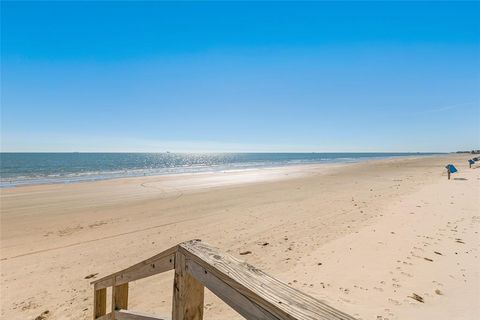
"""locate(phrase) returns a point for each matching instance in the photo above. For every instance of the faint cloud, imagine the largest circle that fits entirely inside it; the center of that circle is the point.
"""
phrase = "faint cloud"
(446, 108)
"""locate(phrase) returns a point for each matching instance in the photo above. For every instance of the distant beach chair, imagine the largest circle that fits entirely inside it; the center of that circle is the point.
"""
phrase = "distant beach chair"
(470, 162)
(450, 169)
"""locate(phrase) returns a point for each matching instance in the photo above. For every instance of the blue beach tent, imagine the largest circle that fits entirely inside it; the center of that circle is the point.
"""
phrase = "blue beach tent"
(451, 168)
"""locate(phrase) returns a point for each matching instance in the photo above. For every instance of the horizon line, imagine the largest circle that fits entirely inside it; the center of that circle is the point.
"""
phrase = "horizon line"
(177, 152)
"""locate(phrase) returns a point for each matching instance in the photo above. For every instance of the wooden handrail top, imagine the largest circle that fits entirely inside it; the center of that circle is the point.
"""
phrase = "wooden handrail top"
(159, 263)
(248, 290)
(273, 296)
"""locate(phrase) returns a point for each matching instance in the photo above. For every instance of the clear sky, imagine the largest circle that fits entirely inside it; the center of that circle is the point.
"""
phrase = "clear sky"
(324, 76)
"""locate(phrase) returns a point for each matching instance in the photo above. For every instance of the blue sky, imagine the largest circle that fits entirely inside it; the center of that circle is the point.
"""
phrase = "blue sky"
(211, 76)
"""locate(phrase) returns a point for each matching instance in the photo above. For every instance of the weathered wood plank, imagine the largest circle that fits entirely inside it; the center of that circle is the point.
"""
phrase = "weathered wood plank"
(188, 293)
(230, 296)
(272, 295)
(107, 316)
(251, 292)
(159, 263)
(133, 315)
(120, 297)
(99, 303)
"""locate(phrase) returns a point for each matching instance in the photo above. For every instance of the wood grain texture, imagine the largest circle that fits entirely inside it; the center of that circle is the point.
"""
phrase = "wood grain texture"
(107, 316)
(248, 290)
(133, 315)
(230, 296)
(120, 297)
(159, 263)
(188, 293)
(272, 295)
(99, 303)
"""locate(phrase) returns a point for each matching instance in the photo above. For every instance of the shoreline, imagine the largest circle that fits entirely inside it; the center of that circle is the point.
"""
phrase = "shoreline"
(203, 170)
(353, 235)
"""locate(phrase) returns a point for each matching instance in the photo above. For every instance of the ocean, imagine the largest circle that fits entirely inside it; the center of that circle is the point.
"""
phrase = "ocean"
(18, 169)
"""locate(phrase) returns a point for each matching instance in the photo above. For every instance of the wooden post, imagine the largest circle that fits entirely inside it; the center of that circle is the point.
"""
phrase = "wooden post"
(188, 293)
(99, 303)
(448, 170)
(119, 298)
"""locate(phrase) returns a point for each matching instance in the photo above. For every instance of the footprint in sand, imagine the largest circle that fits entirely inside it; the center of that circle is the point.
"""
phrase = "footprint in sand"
(406, 274)
(395, 302)
(69, 231)
(437, 283)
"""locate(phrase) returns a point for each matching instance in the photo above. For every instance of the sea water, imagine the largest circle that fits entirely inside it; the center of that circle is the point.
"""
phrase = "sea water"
(39, 168)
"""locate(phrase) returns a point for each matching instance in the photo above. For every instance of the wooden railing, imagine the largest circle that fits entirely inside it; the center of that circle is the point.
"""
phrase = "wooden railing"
(248, 290)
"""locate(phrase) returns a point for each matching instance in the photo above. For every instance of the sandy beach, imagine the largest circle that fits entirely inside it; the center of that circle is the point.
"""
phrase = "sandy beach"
(363, 237)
